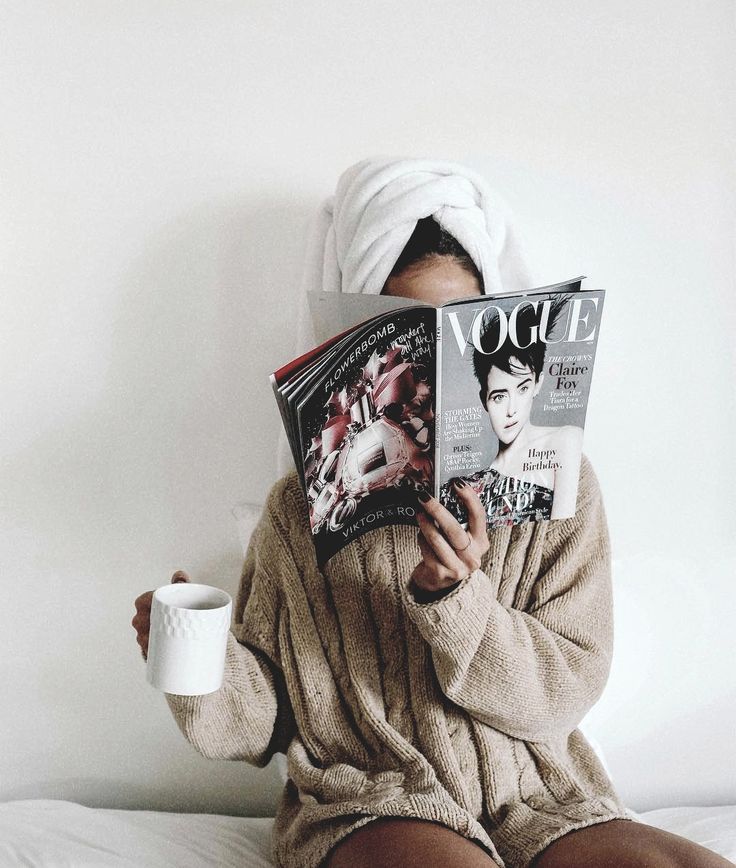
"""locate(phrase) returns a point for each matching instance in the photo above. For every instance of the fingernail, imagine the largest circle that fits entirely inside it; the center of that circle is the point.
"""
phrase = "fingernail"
(423, 495)
(459, 483)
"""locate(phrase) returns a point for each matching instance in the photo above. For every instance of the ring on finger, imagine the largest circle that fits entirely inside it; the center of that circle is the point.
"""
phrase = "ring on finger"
(466, 546)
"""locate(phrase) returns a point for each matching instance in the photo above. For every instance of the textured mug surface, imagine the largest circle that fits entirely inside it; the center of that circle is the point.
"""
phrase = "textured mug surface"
(188, 638)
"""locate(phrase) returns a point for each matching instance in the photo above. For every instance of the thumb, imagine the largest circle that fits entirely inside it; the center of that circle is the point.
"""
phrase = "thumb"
(474, 506)
(179, 576)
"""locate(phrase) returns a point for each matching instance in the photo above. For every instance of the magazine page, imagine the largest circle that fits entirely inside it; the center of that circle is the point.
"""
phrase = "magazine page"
(337, 311)
(288, 396)
(366, 429)
(514, 380)
(292, 380)
(288, 382)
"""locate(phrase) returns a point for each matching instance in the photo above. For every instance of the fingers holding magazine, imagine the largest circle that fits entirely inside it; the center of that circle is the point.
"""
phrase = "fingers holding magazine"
(449, 552)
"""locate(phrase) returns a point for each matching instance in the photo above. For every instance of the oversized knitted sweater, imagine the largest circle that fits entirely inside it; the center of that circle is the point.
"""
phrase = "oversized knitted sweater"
(461, 711)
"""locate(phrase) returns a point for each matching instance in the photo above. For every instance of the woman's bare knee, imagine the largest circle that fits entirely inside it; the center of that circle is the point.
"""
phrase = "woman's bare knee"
(409, 843)
(626, 844)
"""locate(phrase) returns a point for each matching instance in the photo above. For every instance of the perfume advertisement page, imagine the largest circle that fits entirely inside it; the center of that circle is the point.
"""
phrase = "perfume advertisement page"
(367, 430)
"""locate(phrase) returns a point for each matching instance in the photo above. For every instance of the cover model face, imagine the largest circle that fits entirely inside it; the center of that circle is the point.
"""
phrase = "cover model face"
(509, 400)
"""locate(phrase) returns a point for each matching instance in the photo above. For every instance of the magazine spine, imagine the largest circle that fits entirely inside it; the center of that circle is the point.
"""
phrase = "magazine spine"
(437, 402)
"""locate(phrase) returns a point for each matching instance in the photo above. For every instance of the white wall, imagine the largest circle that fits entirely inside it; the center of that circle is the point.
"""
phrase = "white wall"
(160, 163)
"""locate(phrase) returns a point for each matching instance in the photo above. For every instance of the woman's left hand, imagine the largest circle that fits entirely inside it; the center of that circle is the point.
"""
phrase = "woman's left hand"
(449, 552)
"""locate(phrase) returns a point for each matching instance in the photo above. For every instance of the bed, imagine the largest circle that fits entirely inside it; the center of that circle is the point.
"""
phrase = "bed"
(43, 833)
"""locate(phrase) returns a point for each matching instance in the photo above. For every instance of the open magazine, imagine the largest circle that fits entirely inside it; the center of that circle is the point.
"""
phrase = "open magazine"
(489, 389)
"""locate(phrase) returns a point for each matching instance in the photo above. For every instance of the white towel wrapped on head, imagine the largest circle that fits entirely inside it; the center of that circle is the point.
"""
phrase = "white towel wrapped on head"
(364, 227)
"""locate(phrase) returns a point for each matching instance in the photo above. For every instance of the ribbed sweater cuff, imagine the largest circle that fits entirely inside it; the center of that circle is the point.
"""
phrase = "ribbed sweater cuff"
(455, 624)
(422, 596)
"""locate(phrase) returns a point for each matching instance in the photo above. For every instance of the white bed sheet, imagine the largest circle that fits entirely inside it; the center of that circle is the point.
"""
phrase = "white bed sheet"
(58, 834)
(714, 827)
(42, 833)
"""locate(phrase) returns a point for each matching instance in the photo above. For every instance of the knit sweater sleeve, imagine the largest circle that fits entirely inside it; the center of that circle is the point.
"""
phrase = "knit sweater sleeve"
(532, 674)
(249, 718)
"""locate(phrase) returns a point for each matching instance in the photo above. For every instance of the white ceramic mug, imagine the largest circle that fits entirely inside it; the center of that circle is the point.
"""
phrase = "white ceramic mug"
(188, 638)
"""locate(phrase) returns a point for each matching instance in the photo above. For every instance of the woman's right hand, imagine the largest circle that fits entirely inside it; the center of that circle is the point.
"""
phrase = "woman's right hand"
(142, 619)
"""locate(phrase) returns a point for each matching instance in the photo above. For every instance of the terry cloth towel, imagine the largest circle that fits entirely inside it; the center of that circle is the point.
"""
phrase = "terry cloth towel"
(360, 232)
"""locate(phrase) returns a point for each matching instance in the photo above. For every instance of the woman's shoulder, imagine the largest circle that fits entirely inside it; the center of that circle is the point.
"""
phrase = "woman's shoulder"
(286, 508)
(561, 436)
(588, 486)
(285, 487)
(588, 520)
(281, 540)
(571, 434)
(563, 439)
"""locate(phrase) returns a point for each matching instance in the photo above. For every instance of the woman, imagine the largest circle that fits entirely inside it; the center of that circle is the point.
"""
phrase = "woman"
(425, 686)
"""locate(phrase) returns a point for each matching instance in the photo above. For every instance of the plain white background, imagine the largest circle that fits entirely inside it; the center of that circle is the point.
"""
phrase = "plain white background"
(160, 163)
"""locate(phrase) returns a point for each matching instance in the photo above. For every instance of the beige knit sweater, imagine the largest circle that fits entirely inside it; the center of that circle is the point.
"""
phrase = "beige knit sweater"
(461, 711)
